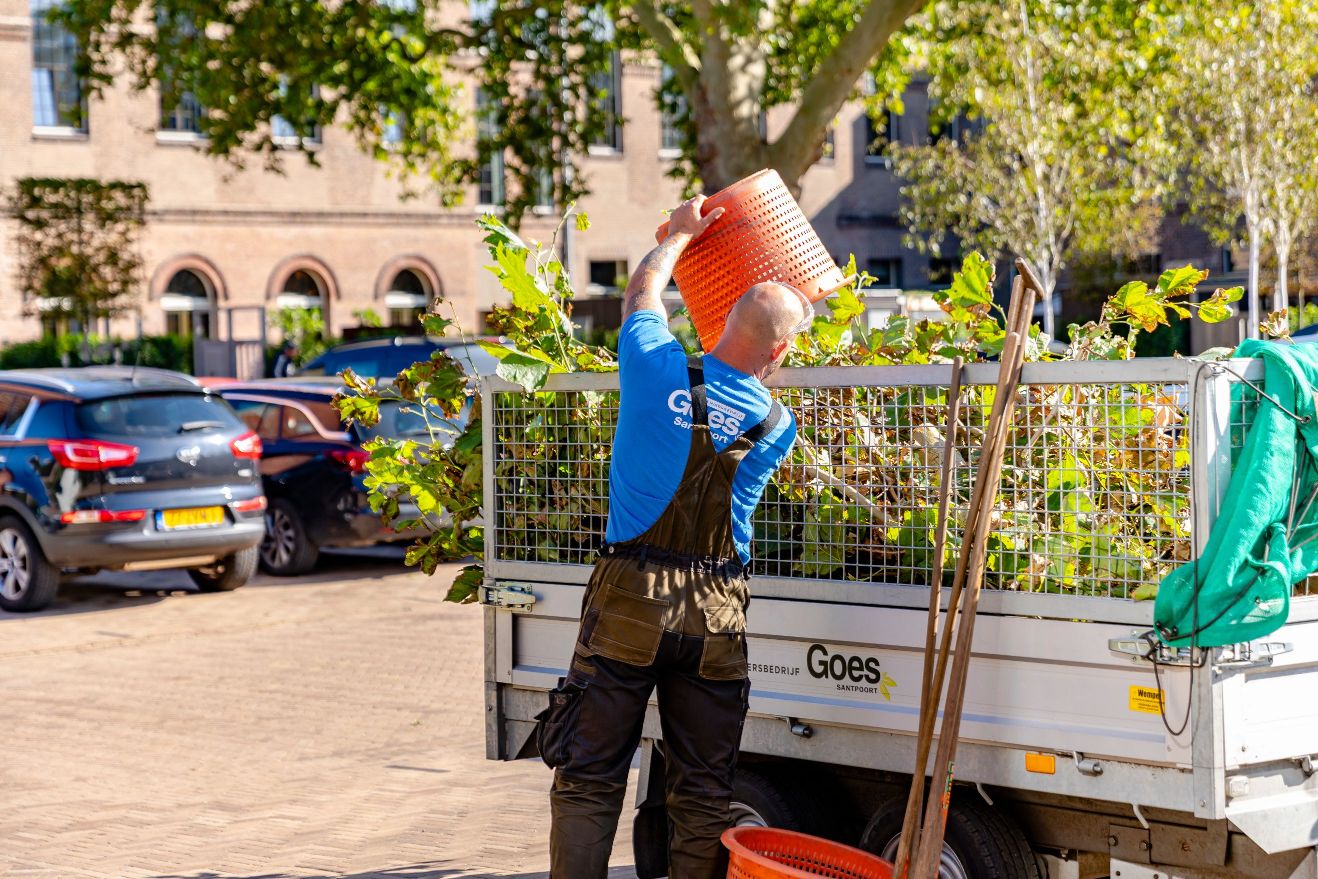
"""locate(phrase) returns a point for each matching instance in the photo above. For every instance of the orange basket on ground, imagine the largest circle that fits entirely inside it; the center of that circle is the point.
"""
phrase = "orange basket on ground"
(762, 236)
(769, 853)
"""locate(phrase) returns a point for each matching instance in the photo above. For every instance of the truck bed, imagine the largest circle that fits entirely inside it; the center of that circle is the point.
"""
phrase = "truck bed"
(1060, 699)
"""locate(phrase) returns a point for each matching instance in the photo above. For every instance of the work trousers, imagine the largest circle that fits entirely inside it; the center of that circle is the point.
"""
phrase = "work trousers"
(592, 730)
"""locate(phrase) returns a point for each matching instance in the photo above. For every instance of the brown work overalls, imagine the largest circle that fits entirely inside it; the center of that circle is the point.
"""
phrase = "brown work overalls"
(664, 610)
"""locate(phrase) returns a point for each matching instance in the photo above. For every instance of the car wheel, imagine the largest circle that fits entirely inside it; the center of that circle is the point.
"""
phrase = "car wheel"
(228, 573)
(981, 841)
(27, 581)
(286, 549)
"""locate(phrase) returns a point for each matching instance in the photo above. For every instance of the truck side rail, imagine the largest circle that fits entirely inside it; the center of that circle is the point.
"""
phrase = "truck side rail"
(1114, 473)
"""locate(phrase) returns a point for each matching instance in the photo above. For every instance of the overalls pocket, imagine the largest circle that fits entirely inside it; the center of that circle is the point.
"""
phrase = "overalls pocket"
(629, 627)
(724, 655)
(556, 726)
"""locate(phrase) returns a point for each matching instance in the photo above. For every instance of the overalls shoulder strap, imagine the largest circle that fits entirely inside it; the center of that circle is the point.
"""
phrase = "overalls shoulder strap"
(767, 426)
(695, 373)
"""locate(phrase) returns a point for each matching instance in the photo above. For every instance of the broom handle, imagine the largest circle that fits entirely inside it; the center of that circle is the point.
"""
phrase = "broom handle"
(924, 737)
(931, 842)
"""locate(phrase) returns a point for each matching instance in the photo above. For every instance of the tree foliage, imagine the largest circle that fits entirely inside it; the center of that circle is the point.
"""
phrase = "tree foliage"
(1037, 144)
(77, 242)
(1241, 102)
(394, 74)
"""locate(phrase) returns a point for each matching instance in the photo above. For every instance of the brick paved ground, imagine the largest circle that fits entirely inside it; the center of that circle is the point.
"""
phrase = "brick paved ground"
(325, 726)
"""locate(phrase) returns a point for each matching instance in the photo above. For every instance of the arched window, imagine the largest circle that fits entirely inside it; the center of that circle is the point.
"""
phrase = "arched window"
(407, 299)
(187, 303)
(302, 289)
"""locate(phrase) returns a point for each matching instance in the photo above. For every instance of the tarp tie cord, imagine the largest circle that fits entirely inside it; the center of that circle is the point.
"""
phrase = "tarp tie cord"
(1299, 419)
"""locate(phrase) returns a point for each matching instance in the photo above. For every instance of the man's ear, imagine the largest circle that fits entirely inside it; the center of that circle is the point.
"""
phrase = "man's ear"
(780, 347)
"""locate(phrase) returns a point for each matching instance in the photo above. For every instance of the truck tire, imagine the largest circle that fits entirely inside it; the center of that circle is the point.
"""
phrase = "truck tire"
(650, 841)
(760, 801)
(28, 581)
(228, 573)
(756, 801)
(287, 549)
(981, 842)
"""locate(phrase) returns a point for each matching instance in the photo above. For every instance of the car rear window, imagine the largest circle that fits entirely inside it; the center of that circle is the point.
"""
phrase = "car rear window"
(400, 420)
(156, 415)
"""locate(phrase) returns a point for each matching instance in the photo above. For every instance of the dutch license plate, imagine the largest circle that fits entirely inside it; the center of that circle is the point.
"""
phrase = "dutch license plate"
(192, 517)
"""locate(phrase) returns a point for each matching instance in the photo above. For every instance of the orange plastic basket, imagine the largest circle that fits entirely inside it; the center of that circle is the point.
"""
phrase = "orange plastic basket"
(769, 853)
(762, 236)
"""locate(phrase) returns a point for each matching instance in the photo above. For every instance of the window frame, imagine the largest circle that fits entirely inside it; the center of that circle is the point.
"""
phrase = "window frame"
(614, 146)
(52, 32)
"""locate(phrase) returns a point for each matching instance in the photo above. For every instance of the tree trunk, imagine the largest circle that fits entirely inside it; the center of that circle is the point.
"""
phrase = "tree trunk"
(1281, 298)
(1049, 281)
(1252, 319)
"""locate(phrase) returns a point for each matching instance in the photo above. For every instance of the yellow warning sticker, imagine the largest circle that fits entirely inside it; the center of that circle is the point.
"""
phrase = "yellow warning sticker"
(1147, 699)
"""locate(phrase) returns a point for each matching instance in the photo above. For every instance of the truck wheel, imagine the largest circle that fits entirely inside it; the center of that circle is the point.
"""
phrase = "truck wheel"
(650, 842)
(287, 550)
(981, 842)
(757, 801)
(27, 581)
(228, 573)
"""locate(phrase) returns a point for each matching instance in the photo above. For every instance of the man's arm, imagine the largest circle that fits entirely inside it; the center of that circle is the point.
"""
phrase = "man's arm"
(647, 283)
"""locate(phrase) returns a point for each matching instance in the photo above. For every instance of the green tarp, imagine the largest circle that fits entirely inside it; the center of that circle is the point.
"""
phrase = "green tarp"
(1256, 550)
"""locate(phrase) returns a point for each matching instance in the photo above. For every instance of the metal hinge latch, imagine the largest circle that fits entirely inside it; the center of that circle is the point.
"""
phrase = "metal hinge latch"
(516, 597)
(1146, 646)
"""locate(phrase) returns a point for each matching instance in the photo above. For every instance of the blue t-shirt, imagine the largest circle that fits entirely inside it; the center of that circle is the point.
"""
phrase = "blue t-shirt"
(651, 444)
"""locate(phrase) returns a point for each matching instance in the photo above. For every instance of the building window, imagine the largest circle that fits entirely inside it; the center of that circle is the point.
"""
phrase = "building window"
(1143, 265)
(407, 299)
(285, 133)
(607, 276)
(185, 117)
(672, 113)
(391, 127)
(57, 98)
(879, 135)
(606, 93)
(956, 129)
(829, 148)
(491, 169)
(301, 289)
(1228, 261)
(941, 269)
(886, 271)
(187, 305)
(544, 190)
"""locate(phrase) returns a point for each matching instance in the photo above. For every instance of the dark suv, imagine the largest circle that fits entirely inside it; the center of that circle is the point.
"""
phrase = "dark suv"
(314, 468)
(122, 468)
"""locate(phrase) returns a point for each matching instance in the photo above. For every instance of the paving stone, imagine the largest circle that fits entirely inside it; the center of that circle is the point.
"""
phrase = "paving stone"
(330, 725)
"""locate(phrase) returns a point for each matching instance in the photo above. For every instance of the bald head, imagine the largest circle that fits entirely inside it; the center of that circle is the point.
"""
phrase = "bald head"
(766, 313)
(760, 325)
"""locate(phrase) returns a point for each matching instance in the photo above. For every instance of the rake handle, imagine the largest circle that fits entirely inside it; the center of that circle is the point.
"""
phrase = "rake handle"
(924, 737)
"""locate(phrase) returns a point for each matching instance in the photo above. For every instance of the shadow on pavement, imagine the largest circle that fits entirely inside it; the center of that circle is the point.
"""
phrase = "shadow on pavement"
(116, 590)
(417, 871)
(85, 595)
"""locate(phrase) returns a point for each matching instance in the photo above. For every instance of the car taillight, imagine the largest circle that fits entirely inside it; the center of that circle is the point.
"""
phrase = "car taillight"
(250, 505)
(246, 446)
(354, 459)
(77, 517)
(92, 454)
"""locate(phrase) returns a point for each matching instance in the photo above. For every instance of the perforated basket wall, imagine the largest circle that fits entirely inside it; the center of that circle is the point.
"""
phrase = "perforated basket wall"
(769, 853)
(763, 236)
